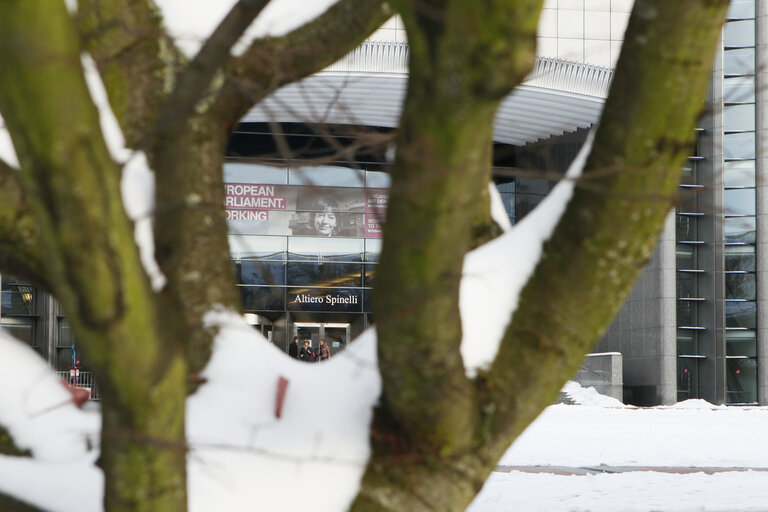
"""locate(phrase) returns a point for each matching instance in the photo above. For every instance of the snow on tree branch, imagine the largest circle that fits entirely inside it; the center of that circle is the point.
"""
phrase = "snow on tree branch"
(7, 151)
(495, 273)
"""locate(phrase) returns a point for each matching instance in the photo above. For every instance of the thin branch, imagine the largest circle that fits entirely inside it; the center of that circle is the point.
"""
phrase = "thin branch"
(194, 81)
(270, 63)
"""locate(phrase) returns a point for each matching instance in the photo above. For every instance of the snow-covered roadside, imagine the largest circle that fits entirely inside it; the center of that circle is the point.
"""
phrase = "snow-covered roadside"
(626, 492)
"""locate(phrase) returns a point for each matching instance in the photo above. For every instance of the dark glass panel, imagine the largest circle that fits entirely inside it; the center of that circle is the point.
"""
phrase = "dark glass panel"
(689, 173)
(687, 313)
(686, 226)
(741, 377)
(687, 378)
(686, 285)
(740, 230)
(257, 247)
(323, 249)
(740, 257)
(324, 274)
(525, 203)
(689, 200)
(508, 200)
(66, 337)
(369, 272)
(686, 256)
(368, 301)
(533, 186)
(741, 314)
(260, 272)
(740, 343)
(63, 358)
(687, 341)
(20, 328)
(325, 299)
(16, 298)
(506, 187)
(740, 286)
(256, 298)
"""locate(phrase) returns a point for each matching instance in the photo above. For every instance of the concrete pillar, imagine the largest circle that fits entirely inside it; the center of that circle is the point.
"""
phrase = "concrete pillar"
(667, 391)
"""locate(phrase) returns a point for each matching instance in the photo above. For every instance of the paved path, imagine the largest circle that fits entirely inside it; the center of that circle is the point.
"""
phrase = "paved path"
(593, 470)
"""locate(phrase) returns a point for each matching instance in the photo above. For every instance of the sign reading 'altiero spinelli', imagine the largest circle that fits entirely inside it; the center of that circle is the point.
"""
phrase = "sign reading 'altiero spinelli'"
(305, 211)
(324, 300)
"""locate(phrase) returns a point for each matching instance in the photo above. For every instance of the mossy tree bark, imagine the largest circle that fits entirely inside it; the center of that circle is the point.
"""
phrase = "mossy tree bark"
(62, 220)
(437, 435)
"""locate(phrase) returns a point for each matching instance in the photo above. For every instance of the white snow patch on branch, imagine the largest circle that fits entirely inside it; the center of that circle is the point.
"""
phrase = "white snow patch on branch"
(138, 181)
(495, 273)
(7, 150)
(138, 190)
(190, 22)
(243, 457)
(110, 128)
(498, 212)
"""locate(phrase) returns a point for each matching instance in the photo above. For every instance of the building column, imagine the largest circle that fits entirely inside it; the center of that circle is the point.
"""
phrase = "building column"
(668, 312)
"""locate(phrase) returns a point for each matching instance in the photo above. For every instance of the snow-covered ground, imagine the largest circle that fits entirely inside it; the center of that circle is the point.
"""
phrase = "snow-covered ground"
(602, 432)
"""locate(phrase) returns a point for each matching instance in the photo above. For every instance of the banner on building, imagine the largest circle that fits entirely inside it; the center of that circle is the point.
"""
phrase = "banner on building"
(255, 209)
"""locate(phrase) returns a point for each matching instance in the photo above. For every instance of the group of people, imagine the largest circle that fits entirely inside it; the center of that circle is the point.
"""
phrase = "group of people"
(307, 353)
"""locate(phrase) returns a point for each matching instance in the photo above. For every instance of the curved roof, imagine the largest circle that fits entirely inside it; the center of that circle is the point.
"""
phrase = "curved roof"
(367, 88)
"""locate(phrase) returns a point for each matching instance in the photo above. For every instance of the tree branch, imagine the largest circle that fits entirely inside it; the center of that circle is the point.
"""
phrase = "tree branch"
(595, 255)
(20, 254)
(195, 79)
(439, 206)
(269, 63)
(135, 57)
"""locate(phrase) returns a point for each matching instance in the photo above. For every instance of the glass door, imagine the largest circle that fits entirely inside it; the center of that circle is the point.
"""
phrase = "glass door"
(336, 335)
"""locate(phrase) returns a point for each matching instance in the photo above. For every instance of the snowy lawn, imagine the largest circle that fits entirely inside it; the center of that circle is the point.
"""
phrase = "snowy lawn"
(601, 431)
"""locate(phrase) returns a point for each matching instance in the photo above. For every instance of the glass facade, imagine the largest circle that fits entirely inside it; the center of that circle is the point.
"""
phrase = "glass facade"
(738, 220)
(305, 239)
(739, 203)
(688, 215)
